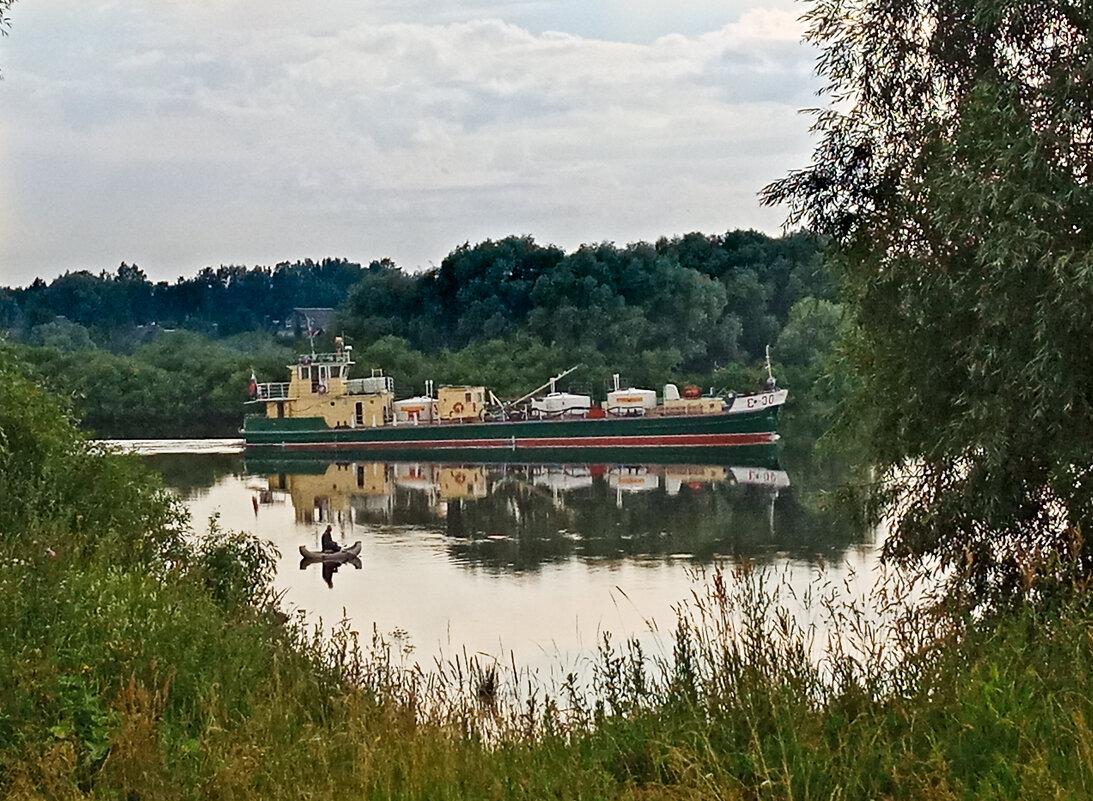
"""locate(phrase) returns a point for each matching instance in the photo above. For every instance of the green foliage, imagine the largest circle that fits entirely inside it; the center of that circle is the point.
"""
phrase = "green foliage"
(61, 334)
(956, 190)
(485, 291)
(692, 303)
(507, 314)
(121, 644)
(120, 307)
(382, 303)
(235, 567)
(511, 313)
(56, 483)
(180, 385)
(809, 335)
(804, 354)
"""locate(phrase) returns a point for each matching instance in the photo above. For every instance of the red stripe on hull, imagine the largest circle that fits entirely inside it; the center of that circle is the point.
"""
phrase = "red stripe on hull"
(509, 443)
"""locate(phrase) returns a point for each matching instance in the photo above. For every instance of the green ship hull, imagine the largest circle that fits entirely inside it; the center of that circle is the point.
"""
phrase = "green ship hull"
(679, 438)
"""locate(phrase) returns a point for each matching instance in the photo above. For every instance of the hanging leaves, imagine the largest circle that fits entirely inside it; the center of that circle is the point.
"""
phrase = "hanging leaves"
(953, 174)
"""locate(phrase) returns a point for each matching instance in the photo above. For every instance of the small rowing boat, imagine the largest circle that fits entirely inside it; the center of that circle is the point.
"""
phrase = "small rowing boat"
(344, 555)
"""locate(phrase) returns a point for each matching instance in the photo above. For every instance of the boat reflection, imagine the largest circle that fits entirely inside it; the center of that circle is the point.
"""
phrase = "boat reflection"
(522, 516)
(328, 569)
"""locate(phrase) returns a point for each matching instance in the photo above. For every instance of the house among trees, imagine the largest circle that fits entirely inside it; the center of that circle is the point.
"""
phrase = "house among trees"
(304, 319)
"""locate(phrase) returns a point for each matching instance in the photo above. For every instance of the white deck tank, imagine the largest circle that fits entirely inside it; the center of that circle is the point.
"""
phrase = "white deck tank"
(415, 410)
(631, 401)
(557, 404)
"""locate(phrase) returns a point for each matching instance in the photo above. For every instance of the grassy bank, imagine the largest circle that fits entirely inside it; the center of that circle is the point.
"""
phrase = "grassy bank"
(136, 662)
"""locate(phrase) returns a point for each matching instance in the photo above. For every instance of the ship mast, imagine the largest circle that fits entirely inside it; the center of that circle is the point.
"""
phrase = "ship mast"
(311, 337)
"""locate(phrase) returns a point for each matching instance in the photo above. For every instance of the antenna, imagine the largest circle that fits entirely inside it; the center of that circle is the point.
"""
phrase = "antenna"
(311, 335)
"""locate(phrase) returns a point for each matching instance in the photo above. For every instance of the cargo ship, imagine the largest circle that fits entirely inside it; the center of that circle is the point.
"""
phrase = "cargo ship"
(321, 408)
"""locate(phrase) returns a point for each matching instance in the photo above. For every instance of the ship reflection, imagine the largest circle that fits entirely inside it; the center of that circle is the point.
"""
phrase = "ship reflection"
(382, 492)
(521, 516)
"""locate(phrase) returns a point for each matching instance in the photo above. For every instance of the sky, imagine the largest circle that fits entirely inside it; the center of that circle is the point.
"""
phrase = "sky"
(180, 134)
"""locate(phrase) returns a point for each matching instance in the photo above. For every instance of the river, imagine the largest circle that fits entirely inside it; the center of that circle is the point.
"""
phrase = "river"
(526, 563)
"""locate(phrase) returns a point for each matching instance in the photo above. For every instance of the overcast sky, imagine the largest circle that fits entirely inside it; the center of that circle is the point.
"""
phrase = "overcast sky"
(179, 134)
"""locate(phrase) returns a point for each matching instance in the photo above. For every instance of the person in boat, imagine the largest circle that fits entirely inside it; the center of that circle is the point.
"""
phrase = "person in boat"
(329, 546)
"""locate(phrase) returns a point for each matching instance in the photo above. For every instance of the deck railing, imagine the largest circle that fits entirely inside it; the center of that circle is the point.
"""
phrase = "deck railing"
(341, 357)
(275, 391)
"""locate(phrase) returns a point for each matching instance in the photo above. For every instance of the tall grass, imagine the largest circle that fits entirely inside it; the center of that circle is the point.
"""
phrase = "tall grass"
(130, 686)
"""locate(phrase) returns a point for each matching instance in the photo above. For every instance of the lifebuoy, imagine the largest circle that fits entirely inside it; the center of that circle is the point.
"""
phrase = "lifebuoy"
(457, 408)
(322, 389)
(460, 478)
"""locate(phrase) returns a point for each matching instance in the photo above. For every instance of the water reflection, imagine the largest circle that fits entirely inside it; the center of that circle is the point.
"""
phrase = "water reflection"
(527, 559)
(328, 569)
(522, 516)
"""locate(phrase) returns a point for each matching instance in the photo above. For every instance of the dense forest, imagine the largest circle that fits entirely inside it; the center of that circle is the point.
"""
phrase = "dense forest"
(714, 300)
(506, 313)
(119, 310)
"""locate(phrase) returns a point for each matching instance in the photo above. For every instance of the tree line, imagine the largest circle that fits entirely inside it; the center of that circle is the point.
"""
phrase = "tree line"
(508, 314)
(713, 300)
(81, 308)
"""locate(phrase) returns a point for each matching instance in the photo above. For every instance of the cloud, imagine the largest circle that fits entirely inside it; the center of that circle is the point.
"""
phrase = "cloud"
(184, 133)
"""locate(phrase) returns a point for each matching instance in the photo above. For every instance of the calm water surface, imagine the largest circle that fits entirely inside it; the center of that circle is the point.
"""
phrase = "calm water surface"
(527, 563)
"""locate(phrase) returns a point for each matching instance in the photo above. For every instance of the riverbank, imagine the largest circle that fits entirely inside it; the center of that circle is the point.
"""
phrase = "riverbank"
(136, 663)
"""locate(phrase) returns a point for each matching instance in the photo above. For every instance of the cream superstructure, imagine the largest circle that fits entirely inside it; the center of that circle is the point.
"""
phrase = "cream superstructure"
(319, 386)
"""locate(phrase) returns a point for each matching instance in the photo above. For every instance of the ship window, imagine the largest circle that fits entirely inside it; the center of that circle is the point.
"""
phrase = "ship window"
(468, 397)
(305, 373)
